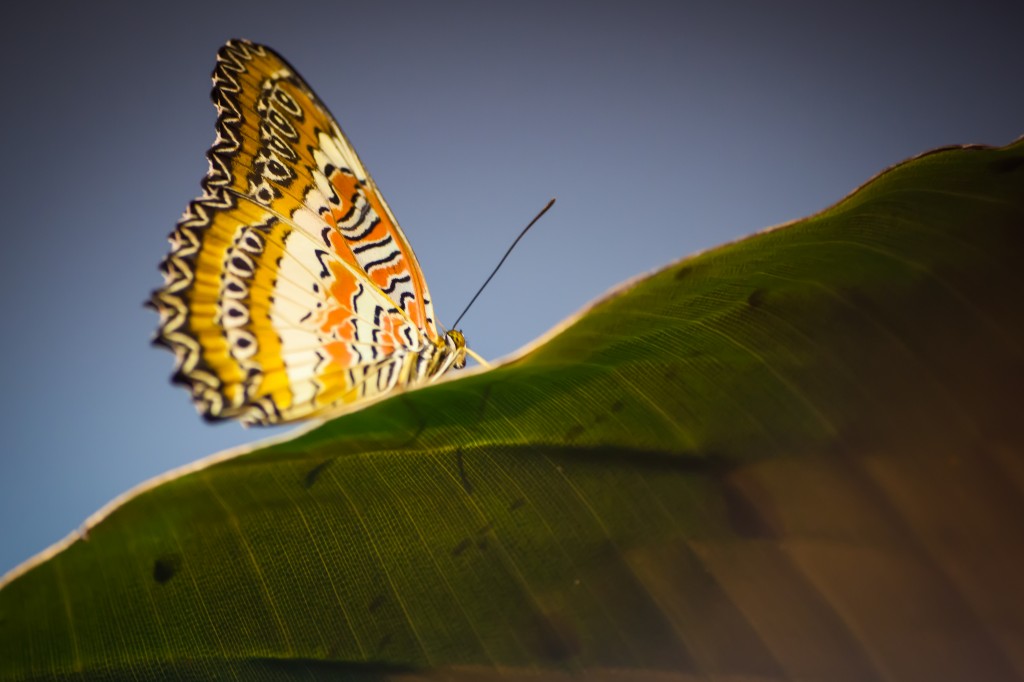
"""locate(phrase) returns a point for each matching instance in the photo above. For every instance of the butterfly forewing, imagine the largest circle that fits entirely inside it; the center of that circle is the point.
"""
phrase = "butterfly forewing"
(290, 288)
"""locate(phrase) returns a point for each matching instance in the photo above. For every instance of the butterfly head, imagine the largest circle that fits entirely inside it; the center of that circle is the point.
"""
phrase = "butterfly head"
(455, 345)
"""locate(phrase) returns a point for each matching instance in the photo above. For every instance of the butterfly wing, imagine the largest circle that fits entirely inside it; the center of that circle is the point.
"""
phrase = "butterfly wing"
(290, 288)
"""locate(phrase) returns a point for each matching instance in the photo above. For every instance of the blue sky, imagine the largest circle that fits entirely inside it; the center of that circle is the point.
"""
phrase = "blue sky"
(662, 129)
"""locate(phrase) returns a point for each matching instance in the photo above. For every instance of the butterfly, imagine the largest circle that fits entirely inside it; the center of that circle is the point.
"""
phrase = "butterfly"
(290, 291)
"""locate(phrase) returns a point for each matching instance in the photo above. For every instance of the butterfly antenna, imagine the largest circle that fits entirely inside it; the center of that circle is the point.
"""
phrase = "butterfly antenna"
(498, 266)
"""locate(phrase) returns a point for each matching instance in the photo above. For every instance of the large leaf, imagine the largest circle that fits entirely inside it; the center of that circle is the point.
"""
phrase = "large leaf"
(798, 456)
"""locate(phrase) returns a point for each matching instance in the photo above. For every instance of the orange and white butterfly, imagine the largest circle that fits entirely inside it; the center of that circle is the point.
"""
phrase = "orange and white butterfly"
(290, 290)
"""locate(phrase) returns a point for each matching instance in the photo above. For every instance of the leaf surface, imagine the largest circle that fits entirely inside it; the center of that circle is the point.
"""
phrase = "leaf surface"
(796, 456)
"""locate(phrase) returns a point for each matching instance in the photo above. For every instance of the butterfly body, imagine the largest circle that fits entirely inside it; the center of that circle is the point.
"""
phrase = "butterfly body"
(290, 291)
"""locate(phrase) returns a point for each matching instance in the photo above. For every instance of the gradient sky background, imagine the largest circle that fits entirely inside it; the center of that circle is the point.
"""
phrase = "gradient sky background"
(662, 129)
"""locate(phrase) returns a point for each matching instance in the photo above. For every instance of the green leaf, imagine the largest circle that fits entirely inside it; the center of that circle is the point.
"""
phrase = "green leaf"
(797, 456)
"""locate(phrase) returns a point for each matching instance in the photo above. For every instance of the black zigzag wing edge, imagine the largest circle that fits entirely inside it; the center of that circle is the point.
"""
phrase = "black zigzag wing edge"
(178, 267)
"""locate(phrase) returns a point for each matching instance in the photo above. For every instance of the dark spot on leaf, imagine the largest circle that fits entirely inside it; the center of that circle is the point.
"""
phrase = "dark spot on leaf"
(315, 472)
(466, 485)
(384, 641)
(670, 374)
(683, 272)
(517, 503)
(617, 406)
(574, 432)
(1007, 164)
(485, 529)
(377, 602)
(165, 567)
(555, 638)
(756, 298)
(481, 544)
(461, 547)
(744, 517)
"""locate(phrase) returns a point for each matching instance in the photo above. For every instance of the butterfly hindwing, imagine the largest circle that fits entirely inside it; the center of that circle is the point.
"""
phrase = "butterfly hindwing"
(290, 289)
